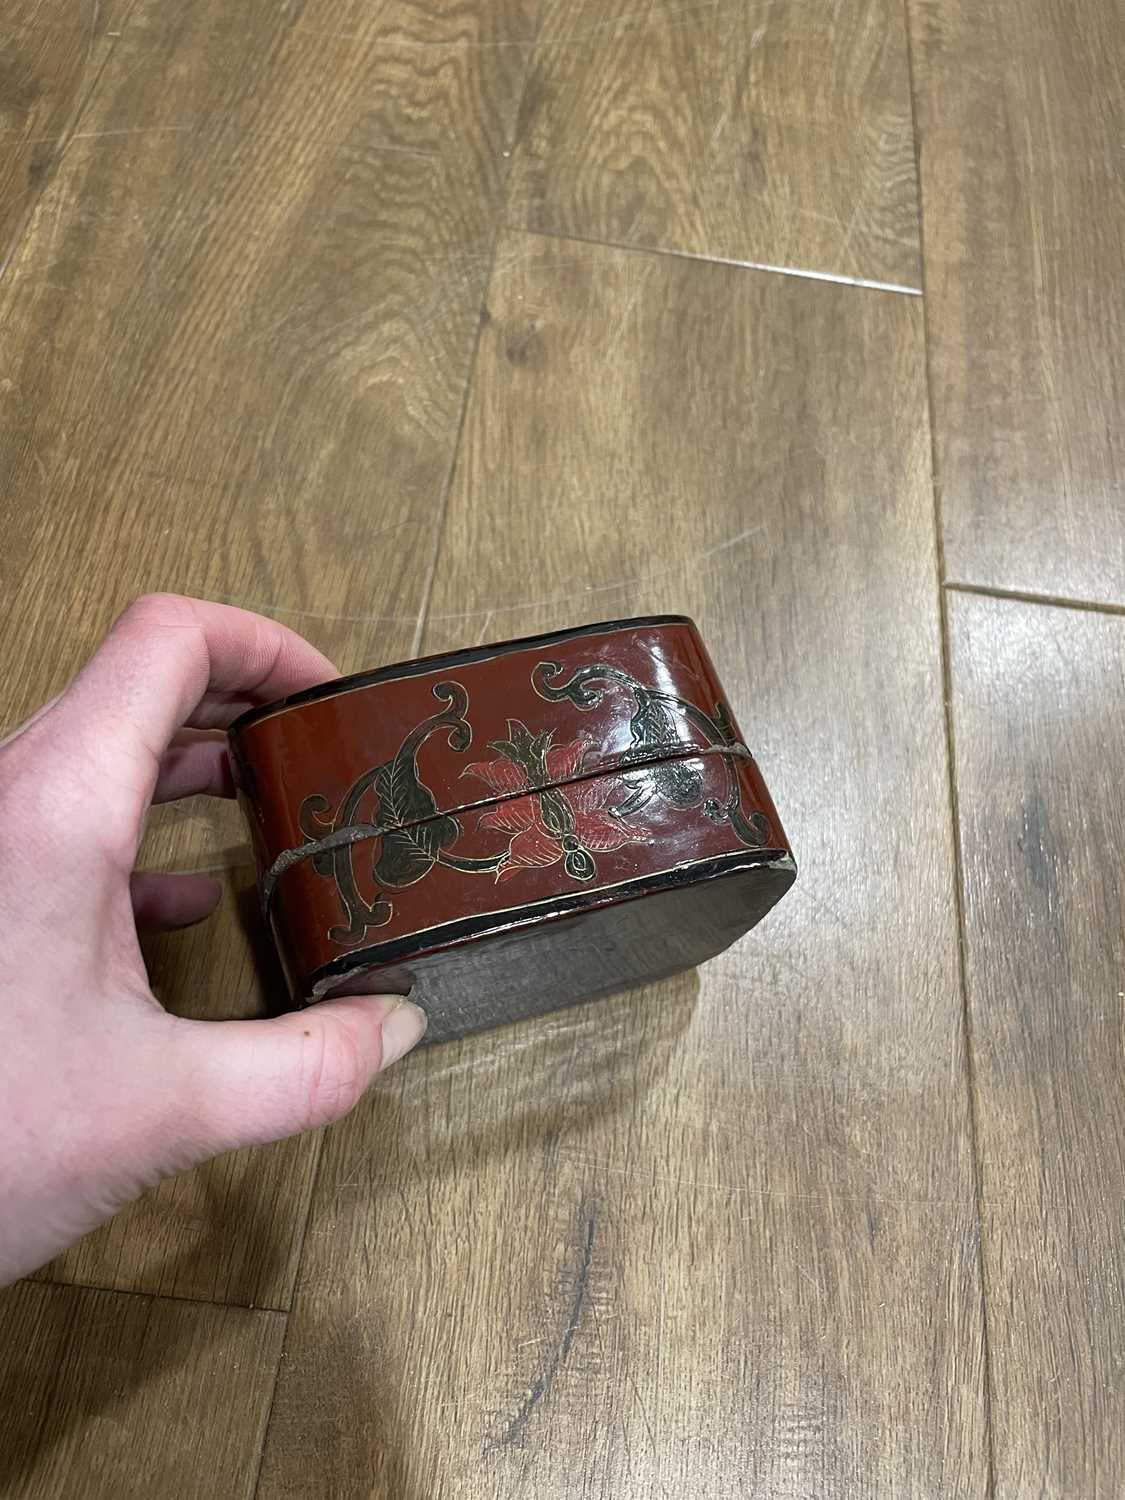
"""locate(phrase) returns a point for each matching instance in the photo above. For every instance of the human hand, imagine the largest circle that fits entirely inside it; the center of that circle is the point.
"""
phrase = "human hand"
(102, 1092)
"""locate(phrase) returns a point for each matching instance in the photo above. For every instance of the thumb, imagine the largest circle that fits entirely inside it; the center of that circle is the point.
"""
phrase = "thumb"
(257, 1081)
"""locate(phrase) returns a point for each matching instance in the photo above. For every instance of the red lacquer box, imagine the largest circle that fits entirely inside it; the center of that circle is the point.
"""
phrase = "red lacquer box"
(508, 829)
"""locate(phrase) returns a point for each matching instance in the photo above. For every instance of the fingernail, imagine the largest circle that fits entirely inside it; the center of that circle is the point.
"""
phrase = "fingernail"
(403, 1028)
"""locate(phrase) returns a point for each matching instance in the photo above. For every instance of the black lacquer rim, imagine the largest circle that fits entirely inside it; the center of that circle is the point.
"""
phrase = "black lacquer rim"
(444, 660)
(497, 923)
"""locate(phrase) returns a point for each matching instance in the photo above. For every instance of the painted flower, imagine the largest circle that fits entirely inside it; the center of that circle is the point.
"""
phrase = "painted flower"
(554, 823)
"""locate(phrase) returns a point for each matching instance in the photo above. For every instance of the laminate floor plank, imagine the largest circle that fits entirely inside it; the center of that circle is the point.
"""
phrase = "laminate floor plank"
(1020, 120)
(1037, 696)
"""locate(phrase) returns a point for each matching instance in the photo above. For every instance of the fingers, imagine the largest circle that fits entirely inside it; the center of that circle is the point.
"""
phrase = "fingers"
(167, 662)
(259, 1081)
(207, 663)
(163, 901)
(195, 763)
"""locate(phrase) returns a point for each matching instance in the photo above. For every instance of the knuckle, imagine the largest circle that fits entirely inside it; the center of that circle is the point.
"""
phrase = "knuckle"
(153, 610)
(159, 601)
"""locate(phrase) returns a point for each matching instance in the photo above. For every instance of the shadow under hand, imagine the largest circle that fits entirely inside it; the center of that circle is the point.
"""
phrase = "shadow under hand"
(220, 1233)
(225, 968)
(69, 1357)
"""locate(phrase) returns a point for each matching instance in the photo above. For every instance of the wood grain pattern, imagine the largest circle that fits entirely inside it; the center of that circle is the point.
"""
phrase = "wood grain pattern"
(719, 1236)
(51, 53)
(1037, 704)
(236, 338)
(105, 1396)
(768, 132)
(1021, 117)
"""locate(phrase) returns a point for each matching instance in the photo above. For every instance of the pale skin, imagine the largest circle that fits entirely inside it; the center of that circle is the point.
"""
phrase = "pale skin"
(102, 1092)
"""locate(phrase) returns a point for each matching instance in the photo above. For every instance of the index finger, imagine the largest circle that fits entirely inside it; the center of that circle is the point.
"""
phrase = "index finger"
(170, 661)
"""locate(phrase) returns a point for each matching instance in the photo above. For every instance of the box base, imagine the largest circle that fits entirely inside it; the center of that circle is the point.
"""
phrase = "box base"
(584, 955)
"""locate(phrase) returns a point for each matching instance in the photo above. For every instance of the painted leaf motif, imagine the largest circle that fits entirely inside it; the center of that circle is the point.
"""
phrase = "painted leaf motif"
(678, 782)
(528, 850)
(654, 729)
(601, 833)
(409, 851)
(725, 725)
(565, 761)
(526, 751)
(653, 725)
(509, 817)
(402, 797)
(500, 775)
(409, 854)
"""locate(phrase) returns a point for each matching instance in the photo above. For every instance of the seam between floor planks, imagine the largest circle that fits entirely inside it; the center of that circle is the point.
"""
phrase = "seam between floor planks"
(419, 632)
(1048, 601)
(447, 486)
(129, 1291)
(299, 1261)
(486, 287)
(967, 1052)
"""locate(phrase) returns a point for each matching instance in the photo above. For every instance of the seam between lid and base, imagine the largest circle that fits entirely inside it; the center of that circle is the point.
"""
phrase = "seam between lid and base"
(356, 833)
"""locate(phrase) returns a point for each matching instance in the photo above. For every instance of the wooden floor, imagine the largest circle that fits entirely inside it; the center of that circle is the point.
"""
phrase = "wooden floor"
(428, 322)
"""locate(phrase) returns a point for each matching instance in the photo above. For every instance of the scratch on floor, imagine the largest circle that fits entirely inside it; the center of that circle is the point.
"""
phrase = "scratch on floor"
(357, 1169)
(821, 904)
(846, 242)
(94, 135)
(649, 1429)
(541, 1387)
(812, 1281)
(54, 233)
(637, 580)
(739, 83)
(421, 319)
(618, 583)
(630, 302)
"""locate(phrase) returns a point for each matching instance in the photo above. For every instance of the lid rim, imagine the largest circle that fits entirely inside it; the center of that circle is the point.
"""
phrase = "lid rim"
(443, 661)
